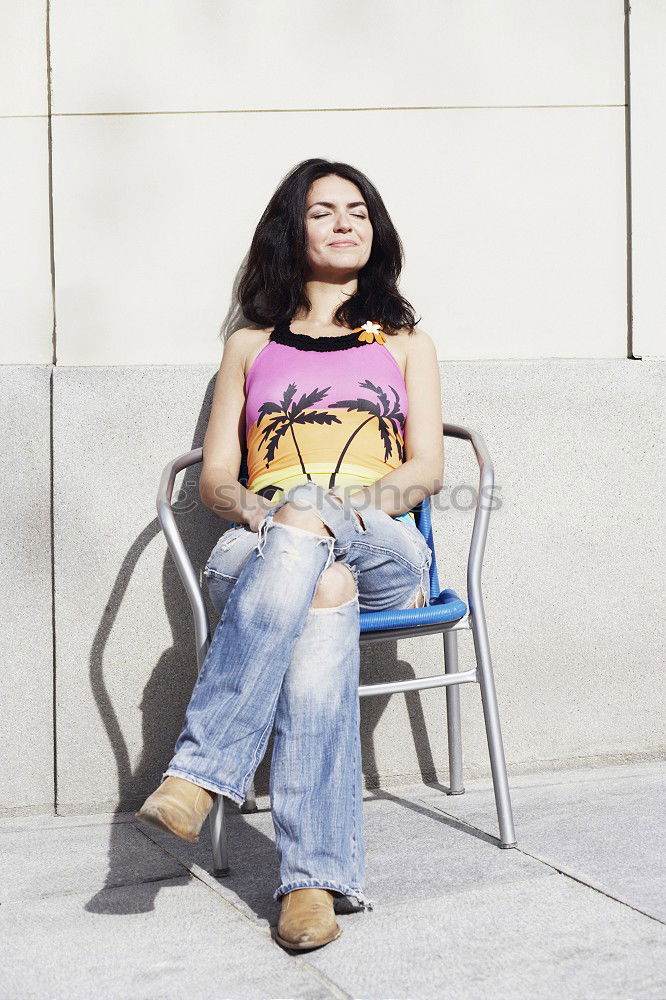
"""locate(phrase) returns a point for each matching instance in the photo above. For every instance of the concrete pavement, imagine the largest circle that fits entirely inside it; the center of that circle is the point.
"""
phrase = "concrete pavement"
(102, 906)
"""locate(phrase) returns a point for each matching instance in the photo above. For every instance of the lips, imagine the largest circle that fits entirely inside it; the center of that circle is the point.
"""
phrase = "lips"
(343, 243)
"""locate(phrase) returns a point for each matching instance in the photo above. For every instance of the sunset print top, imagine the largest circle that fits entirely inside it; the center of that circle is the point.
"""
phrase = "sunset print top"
(329, 409)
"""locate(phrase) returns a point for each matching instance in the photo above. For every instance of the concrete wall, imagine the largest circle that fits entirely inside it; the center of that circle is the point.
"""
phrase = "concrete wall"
(648, 168)
(141, 143)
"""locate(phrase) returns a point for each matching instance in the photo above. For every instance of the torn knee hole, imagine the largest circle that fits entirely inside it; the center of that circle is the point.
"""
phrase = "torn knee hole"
(317, 609)
(338, 585)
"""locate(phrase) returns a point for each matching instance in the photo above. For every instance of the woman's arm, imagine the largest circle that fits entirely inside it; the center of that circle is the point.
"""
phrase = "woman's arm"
(422, 472)
(219, 487)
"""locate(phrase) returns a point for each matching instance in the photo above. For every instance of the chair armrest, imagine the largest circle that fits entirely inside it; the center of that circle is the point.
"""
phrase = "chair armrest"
(179, 552)
(481, 514)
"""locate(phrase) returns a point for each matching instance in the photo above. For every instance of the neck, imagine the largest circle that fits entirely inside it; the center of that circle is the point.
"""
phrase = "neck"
(325, 297)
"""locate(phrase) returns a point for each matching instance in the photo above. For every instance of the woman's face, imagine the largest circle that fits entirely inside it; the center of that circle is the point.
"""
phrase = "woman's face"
(339, 232)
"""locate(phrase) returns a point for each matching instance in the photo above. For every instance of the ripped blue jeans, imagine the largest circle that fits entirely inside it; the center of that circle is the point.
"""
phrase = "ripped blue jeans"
(275, 661)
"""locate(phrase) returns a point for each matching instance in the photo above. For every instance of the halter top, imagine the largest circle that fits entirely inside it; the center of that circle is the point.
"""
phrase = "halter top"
(328, 409)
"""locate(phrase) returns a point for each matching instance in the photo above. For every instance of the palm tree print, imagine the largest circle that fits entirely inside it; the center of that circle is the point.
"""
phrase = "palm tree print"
(289, 416)
(388, 417)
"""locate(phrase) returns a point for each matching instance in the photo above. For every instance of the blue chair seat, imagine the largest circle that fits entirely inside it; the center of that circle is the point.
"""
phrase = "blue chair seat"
(446, 608)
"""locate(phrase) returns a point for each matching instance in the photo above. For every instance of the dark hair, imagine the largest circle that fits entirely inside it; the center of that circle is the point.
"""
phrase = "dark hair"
(272, 287)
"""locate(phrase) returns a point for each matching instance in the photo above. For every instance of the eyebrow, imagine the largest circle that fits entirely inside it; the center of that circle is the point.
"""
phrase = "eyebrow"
(330, 204)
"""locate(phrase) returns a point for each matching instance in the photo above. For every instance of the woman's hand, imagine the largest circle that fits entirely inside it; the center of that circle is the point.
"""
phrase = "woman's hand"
(258, 513)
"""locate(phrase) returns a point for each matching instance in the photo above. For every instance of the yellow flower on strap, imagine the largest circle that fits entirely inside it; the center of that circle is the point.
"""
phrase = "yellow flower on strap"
(371, 332)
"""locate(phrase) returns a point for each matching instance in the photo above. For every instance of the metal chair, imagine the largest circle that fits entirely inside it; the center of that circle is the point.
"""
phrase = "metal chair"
(447, 614)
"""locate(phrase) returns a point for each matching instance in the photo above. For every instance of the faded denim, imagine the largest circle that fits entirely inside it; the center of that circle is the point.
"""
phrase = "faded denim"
(275, 661)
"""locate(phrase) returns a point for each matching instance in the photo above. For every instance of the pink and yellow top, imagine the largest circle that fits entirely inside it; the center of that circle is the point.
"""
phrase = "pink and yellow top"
(329, 409)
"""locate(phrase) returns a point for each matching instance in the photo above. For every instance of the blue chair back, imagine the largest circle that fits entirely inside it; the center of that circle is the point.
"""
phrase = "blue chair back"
(422, 514)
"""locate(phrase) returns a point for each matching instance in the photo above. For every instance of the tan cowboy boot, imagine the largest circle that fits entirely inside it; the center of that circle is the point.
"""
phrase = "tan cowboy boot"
(307, 919)
(178, 806)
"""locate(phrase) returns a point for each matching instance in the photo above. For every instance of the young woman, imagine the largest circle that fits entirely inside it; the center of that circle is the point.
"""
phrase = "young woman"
(335, 398)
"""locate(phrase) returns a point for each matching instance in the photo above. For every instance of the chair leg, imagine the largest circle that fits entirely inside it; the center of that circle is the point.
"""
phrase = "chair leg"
(456, 786)
(218, 837)
(218, 833)
(250, 803)
(493, 731)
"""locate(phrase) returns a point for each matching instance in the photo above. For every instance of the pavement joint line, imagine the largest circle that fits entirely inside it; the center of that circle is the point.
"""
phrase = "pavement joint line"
(211, 883)
(652, 765)
(203, 876)
(17, 828)
(562, 871)
(531, 779)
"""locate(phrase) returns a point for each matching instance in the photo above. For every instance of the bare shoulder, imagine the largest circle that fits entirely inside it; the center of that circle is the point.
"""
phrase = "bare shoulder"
(420, 347)
(244, 344)
(415, 345)
(418, 336)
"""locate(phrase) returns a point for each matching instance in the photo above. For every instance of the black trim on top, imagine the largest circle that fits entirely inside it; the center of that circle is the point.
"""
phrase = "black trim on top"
(283, 334)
